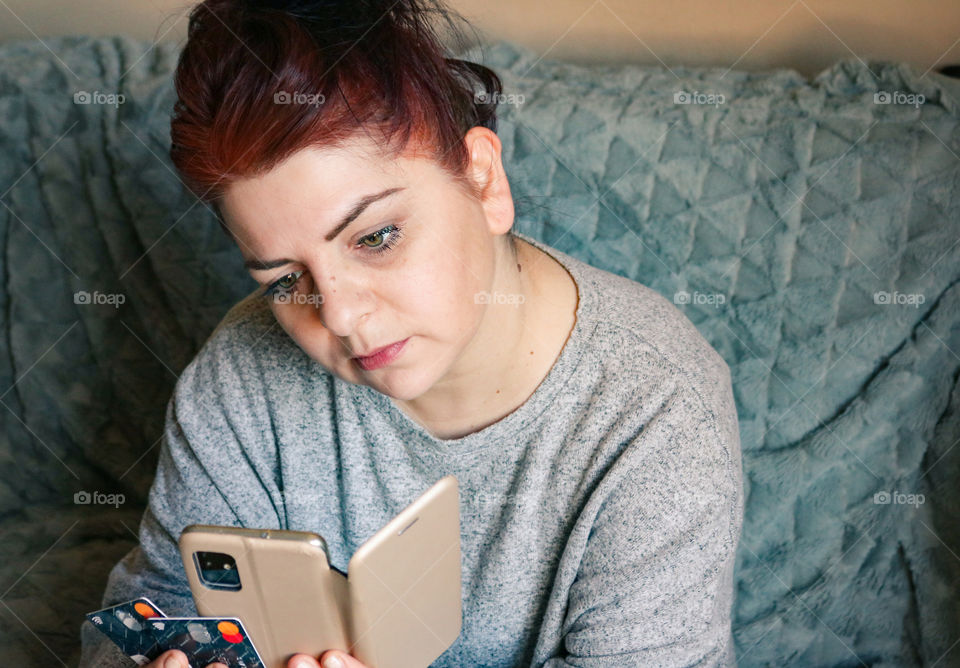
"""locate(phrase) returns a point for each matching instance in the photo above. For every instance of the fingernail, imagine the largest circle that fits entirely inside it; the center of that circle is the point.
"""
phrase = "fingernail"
(332, 661)
(172, 662)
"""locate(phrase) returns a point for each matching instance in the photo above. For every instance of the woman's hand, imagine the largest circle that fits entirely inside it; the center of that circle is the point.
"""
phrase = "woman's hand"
(174, 658)
(329, 659)
(178, 659)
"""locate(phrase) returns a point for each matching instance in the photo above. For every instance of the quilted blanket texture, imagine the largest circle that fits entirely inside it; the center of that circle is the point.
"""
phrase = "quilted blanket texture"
(809, 228)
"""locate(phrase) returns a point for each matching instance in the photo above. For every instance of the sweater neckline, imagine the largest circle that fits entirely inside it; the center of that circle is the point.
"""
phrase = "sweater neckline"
(536, 404)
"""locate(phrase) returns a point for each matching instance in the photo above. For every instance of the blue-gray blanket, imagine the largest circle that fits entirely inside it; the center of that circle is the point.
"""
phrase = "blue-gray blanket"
(811, 230)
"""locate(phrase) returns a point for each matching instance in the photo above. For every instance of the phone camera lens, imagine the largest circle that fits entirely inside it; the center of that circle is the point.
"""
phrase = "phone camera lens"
(217, 570)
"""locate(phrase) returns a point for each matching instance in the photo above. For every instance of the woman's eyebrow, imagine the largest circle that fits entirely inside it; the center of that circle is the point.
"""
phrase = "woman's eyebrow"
(355, 212)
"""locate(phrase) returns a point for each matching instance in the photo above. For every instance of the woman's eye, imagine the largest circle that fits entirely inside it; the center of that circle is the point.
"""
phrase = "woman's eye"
(287, 281)
(383, 239)
(283, 283)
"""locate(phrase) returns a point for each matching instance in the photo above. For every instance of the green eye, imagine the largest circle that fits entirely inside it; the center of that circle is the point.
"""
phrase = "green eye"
(284, 283)
(383, 239)
(287, 281)
(373, 237)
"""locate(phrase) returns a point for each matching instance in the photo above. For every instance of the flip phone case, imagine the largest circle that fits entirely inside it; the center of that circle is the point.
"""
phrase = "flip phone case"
(399, 606)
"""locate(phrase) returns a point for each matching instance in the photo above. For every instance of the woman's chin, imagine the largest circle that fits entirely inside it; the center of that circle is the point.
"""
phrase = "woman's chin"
(403, 383)
(399, 385)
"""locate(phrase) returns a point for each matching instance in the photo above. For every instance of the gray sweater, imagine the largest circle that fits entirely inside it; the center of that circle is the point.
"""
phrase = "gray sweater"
(599, 520)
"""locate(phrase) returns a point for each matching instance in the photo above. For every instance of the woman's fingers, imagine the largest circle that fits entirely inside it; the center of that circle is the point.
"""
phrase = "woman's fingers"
(172, 658)
(335, 659)
(176, 659)
(327, 660)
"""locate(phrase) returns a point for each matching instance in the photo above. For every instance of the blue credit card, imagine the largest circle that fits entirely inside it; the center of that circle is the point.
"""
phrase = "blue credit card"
(207, 640)
(126, 625)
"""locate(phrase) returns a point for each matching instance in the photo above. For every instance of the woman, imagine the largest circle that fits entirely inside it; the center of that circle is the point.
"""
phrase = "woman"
(403, 332)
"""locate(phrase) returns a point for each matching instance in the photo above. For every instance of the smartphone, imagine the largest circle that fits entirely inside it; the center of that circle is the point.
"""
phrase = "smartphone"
(404, 584)
(398, 605)
(279, 583)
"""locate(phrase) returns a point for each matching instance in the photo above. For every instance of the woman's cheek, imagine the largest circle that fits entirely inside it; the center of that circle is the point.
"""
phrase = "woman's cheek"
(296, 325)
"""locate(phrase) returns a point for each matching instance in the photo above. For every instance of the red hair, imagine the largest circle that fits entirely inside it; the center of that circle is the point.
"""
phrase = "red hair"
(379, 67)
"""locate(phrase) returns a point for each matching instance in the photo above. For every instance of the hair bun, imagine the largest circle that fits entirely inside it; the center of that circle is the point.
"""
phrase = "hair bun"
(259, 80)
(346, 13)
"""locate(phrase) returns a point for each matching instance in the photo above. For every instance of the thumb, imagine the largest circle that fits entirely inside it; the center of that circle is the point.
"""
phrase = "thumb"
(337, 659)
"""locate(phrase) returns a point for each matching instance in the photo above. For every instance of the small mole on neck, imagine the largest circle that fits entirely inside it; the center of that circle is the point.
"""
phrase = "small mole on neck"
(518, 267)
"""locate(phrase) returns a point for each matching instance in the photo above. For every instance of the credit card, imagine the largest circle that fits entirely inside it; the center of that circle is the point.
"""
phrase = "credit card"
(207, 640)
(126, 625)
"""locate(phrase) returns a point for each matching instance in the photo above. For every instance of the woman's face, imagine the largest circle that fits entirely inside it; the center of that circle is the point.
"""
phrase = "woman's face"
(358, 253)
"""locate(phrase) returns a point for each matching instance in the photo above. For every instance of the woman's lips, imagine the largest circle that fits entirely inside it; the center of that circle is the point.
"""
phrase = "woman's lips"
(383, 357)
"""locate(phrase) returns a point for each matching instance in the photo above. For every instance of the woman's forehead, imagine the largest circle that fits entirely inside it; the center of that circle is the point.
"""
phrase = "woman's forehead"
(330, 174)
(319, 183)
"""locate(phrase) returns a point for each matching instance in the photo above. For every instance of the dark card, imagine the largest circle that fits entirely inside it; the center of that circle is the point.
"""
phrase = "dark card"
(126, 625)
(207, 640)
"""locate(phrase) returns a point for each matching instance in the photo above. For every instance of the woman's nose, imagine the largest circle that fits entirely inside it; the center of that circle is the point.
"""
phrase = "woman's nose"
(341, 302)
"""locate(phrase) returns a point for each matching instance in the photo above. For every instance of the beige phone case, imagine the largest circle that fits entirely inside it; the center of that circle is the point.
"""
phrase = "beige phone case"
(404, 584)
(398, 607)
(301, 609)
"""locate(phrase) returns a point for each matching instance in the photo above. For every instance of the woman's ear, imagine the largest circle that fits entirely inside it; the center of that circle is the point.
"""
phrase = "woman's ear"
(487, 172)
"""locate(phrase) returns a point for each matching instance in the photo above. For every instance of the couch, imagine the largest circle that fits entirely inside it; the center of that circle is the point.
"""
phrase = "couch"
(810, 228)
